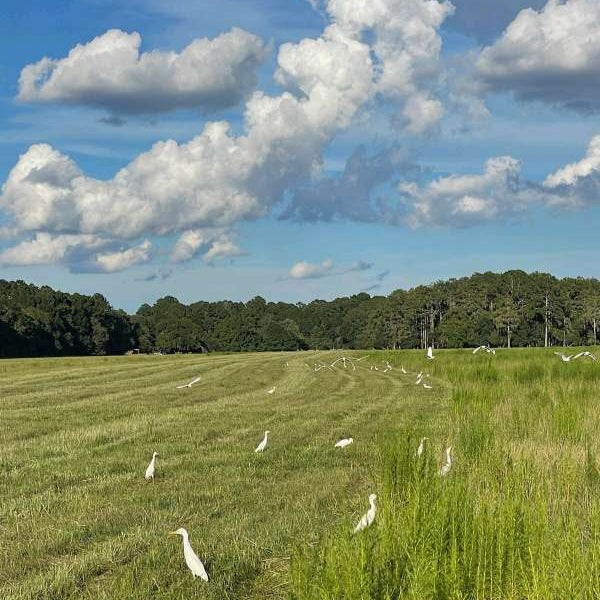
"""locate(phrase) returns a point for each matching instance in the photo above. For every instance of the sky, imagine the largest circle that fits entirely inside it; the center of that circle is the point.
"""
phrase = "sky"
(295, 149)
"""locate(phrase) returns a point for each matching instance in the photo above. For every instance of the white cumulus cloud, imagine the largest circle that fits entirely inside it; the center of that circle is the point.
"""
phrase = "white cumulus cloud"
(110, 72)
(551, 55)
(211, 243)
(308, 270)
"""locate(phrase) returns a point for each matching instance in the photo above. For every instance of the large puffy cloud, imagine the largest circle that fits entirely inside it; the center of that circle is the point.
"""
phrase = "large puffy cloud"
(576, 185)
(552, 56)
(79, 252)
(110, 72)
(464, 200)
(385, 50)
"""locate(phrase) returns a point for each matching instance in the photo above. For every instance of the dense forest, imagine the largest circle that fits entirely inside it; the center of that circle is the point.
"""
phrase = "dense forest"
(508, 309)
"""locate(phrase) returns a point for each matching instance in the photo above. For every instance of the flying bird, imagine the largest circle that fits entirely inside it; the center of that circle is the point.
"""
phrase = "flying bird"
(485, 348)
(430, 355)
(565, 357)
(344, 443)
(421, 446)
(151, 469)
(190, 384)
(583, 354)
(191, 558)
(368, 517)
(263, 443)
(446, 466)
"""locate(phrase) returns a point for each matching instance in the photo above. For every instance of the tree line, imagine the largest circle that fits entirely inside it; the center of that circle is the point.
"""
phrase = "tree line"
(509, 309)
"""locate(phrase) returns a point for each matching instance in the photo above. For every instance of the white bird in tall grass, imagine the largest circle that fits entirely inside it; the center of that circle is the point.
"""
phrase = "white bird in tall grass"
(343, 443)
(446, 466)
(151, 469)
(191, 558)
(272, 390)
(403, 370)
(486, 348)
(430, 355)
(263, 443)
(586, 353)
(427, 387)
(190, 384)
(565, 357)
(421, 447)
(368, 517)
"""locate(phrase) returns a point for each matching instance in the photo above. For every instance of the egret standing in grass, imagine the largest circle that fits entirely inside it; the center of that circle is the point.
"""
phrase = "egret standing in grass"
(191, 558)
(369, 516)
(421, 447)
(430, 353)
(151, 469)
(263, 444)
(343, 443)
(446, 466)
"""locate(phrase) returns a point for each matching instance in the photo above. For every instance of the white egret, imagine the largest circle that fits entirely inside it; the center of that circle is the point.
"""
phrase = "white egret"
(151, 469)
(427, 387)
(565, 357)
(272, 390)
(446, 466)
(190, 384)
(430, 355)
(586, 353)
(191, 558)
(403, 370)
(421, 447)
(263, 443)
(343, 443)
(485, 348)
(368, 517)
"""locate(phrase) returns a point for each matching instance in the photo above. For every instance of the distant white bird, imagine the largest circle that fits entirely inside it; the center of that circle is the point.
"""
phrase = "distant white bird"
(403, 370)
(486, 348)
(565, 357)
(421, 447)
(287, 364)
(272, 390)
(344, 443)
(151, 469)
(263, 444)
(190, 384)
(430, 353)
(368, 517)
(586, 353)
(446, 466)
(191, 558)
(427, 387)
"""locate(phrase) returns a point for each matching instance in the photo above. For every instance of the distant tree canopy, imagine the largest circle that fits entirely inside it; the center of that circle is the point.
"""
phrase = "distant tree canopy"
(508, 309)
(38, 321)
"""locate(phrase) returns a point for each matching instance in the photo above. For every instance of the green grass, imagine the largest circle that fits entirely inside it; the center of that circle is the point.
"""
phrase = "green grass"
(78, 520)
(518, 516)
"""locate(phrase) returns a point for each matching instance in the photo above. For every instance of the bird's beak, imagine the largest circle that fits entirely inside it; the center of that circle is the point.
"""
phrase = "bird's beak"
(173, 533)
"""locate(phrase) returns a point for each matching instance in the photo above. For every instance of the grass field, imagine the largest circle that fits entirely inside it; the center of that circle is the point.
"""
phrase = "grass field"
(518, 516)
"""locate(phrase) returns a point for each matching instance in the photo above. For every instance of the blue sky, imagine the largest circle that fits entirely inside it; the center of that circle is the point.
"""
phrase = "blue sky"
(358, 155)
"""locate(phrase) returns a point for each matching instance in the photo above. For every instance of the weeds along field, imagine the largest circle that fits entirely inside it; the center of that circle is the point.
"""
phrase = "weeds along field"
(517, 515)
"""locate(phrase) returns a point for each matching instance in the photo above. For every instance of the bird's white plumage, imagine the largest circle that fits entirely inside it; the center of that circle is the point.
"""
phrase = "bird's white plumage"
(427, 387)
(430, 353)
(263, 443)
(369, 516)
(191, 558)
(446, 466)
(272, 390)
(585, 354)
(421, 447)
(343, 443)
(151, 469)
(403, 370)
(190, 384)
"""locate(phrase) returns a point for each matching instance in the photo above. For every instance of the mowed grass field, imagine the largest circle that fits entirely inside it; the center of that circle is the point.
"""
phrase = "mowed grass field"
(517, 516)
(78, 520)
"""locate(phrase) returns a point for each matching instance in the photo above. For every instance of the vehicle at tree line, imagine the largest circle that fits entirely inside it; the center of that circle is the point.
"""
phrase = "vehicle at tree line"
(512, 309)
